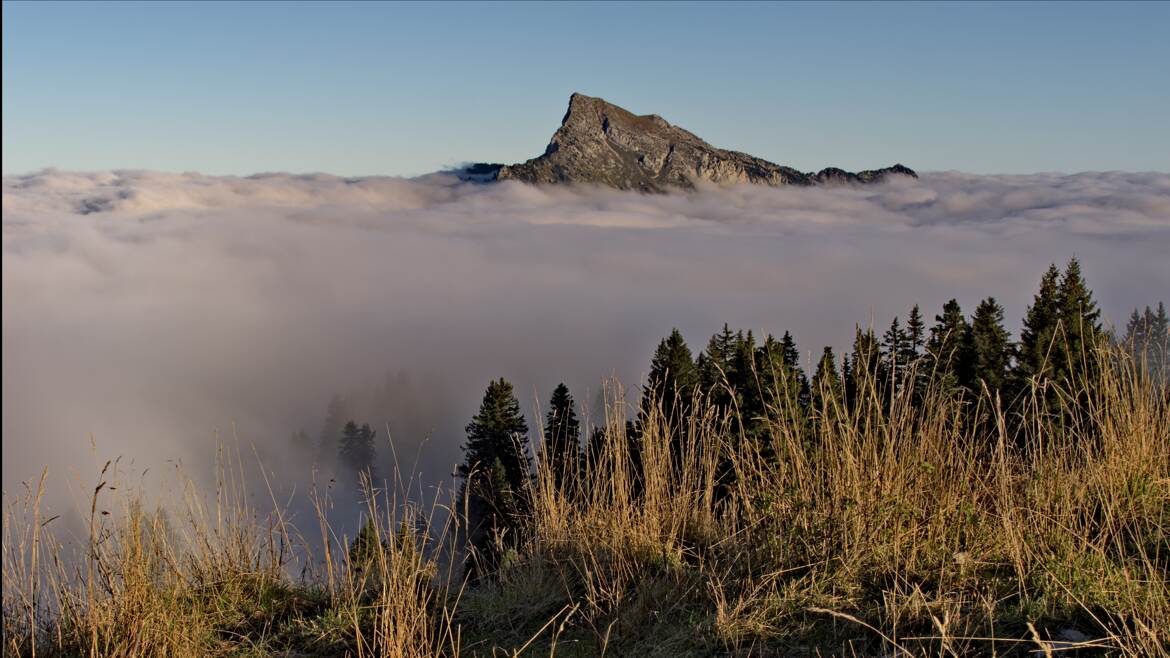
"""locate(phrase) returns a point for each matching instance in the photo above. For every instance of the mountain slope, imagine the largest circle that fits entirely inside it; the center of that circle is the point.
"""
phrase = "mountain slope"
(601, 143)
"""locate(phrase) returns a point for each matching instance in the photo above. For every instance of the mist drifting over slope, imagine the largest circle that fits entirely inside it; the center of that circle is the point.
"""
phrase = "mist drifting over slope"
(157, 311)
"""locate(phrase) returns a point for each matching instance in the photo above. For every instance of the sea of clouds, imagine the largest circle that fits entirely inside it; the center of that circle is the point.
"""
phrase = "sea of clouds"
(146, 315)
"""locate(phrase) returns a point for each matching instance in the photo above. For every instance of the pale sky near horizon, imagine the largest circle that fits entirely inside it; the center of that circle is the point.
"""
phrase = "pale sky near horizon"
(405, 89)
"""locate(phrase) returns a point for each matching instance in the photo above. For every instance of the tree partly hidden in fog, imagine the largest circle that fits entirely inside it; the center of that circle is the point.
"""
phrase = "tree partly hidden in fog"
(356, 453)
(1147, 340)
(496, 473)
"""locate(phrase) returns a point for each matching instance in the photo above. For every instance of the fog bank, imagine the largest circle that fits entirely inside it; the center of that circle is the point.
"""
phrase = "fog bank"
(154, 311)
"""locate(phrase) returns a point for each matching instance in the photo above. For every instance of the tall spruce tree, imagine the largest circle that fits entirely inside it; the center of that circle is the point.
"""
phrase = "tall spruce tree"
(826, 389)
(864, 372)
(948, 348)
(915, 334)
(1080, 320)
(495, 472)
(1158, 343)
(916, 375)
(792, 360)
(562, 438)
(714, 368)
(1147, 341)
(785, 384)
(1034, 356)
(990, 347)
(1137, 332)
(672, 379)
(747, 384)
(894, 355)
(498, 431)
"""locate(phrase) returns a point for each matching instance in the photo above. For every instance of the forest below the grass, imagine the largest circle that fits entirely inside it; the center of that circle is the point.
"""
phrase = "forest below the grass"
(943, 489)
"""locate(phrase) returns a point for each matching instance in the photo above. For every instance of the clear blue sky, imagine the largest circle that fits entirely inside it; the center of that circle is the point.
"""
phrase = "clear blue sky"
(405, 89)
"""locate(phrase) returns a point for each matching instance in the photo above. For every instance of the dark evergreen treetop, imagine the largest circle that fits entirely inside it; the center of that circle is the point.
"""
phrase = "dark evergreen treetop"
(356, 449)
(498, 432)
(865, 363)
(780, 361)
(1075, 300)
(915, 334)
(791, 354)
(895, 353)
(948, 345)
(743, 375)
(714, 367)
(826, 383)
(990, 346)
(672, 378)
(1079, 316)
(562, 436)
(496, 471)
(1137, 330)
(1040, 321)
(1147, 339)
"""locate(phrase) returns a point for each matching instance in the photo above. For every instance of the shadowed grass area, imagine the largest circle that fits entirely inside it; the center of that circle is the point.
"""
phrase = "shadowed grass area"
(884, 527)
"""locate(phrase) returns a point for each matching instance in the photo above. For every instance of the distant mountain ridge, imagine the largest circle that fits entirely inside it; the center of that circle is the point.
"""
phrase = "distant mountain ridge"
(601, 143)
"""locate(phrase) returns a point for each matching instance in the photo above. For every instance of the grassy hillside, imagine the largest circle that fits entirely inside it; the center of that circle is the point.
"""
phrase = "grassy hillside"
(943, 527)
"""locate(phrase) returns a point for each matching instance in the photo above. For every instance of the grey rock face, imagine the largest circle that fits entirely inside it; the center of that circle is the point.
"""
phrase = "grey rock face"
(601, 143)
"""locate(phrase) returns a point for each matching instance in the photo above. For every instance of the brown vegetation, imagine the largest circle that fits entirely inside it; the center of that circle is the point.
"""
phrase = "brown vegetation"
(889, 528)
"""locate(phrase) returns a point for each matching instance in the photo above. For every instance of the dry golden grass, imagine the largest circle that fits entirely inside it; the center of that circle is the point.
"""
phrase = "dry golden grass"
(887, 528)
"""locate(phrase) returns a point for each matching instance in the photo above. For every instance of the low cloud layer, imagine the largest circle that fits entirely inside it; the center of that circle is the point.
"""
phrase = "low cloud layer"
(153, 311)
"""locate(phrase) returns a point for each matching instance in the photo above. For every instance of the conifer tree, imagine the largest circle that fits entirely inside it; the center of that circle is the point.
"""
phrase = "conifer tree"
(783, 380)
(863, 372)
(915, 334)
(990, 347)
(498, 432)
(912, 352)
(848, 383)
(791, 354)
(495, 473)
(714, 368)
(593, 451)
(826, 386)
(1034, 356)
(357, 453)
(792, 361)
(1080, 320)
(894, 352)
(1160, 326)
(948, 347)
(1147, 339)
(1158, 343)
(1137, 331)
(747, 384)
(562, 438)
(672, 379)
(364, 549)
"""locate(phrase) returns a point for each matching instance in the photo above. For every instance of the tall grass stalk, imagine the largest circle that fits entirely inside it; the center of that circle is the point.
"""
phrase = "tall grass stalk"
(912, 522)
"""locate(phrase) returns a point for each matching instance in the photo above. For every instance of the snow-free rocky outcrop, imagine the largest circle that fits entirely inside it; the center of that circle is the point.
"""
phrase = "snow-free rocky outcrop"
(601, 143)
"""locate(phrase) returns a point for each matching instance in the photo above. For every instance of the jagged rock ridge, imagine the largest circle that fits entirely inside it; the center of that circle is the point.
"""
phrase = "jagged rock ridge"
(601, 143)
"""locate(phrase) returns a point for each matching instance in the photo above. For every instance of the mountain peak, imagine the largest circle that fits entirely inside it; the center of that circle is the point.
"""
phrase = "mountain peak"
(601, 143)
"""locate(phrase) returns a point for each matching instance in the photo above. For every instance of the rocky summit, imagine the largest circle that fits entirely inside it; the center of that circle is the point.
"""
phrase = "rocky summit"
(601, 143)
